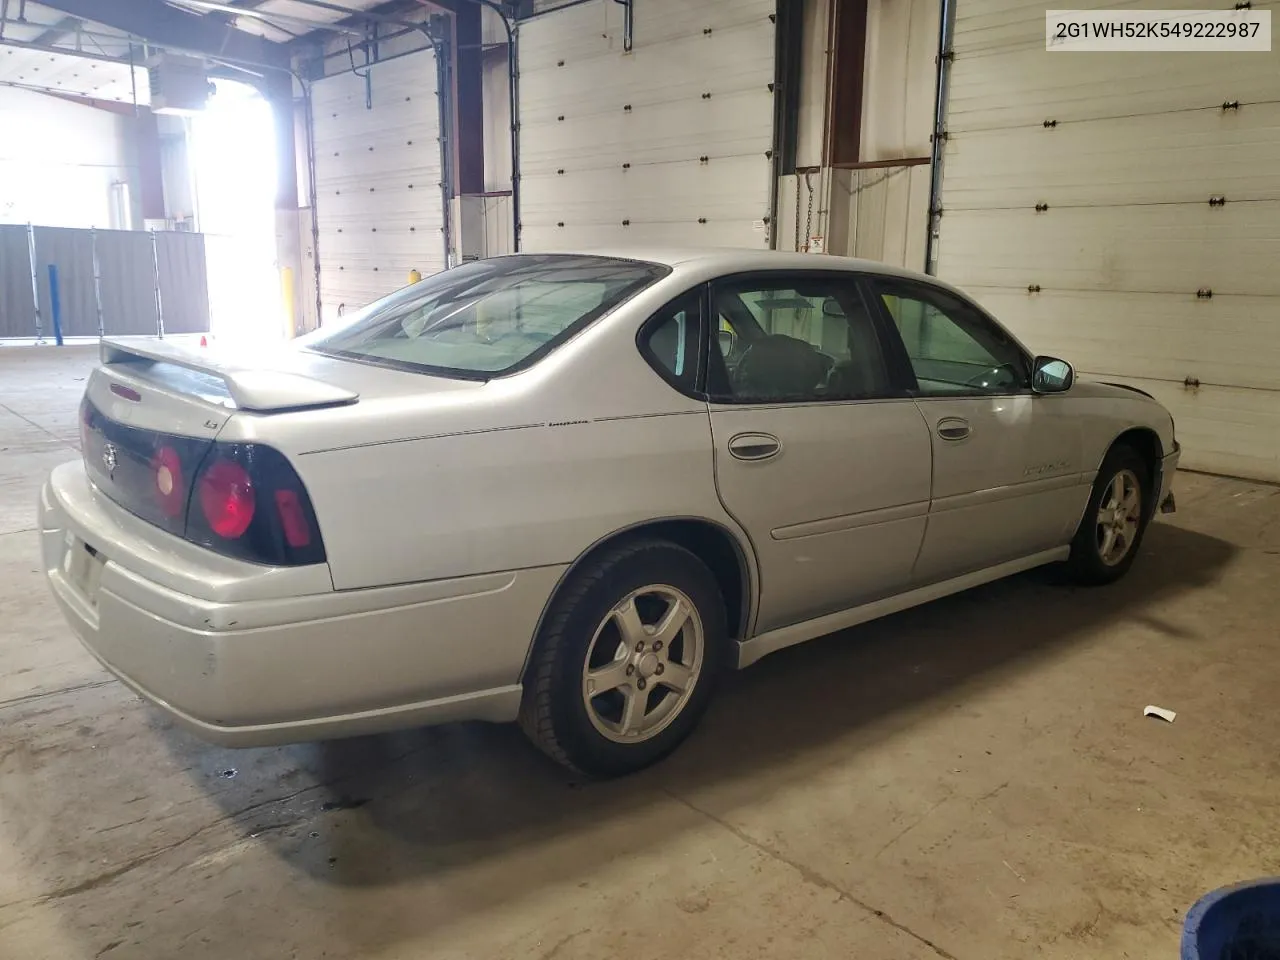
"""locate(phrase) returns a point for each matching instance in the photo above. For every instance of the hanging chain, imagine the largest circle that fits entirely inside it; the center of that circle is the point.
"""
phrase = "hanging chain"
(808, 220)
(797, 244)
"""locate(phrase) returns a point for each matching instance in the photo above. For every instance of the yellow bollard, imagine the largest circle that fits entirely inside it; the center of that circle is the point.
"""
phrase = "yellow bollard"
(286, 290)
(414, 276)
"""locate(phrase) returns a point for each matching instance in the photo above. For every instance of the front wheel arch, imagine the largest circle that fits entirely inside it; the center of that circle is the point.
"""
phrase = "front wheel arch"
(1146, 443)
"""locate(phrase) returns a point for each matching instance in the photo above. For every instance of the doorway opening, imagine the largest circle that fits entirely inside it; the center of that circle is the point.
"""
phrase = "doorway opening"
(234, 162)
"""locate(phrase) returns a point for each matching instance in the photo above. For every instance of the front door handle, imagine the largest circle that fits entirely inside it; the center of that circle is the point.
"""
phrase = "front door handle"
(754, 446)
(953, 428)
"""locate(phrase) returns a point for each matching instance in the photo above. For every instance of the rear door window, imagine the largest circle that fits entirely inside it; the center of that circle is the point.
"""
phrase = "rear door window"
(801, 339)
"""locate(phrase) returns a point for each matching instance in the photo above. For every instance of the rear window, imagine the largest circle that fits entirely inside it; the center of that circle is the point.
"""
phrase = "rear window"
(486, 318)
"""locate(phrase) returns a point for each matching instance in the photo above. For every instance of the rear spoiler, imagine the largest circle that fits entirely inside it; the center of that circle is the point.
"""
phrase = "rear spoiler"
(260, 391)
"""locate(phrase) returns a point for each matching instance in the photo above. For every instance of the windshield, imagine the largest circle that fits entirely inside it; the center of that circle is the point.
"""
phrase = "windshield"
(488, 317)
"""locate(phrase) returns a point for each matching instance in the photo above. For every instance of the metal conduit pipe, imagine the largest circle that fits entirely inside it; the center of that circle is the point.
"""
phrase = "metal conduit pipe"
(946, 31)
(513, 95)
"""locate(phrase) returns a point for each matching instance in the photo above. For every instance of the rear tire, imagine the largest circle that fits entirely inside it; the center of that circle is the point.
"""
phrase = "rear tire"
(626, 660)
(1111, 531)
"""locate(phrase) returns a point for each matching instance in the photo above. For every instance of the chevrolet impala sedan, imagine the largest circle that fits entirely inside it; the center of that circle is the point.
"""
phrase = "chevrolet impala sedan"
(573, 490)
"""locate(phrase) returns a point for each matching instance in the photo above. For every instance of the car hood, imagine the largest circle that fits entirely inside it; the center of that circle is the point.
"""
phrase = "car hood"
(1101, 389)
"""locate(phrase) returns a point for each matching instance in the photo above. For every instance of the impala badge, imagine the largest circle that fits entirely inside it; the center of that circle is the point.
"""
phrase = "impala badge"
(109, 457)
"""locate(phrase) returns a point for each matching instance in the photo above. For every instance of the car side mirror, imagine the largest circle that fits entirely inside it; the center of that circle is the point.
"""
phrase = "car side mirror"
(728, 341)
(1051, 375)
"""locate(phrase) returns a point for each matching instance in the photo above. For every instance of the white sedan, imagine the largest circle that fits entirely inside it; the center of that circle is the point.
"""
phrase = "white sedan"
(573, 490)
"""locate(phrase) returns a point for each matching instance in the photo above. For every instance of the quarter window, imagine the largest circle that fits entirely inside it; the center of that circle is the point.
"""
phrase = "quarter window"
(795, 340)
(952, 347)
(670, 341)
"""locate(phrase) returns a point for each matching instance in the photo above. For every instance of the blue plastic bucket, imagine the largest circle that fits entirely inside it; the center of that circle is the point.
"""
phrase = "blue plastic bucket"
(1235, 923)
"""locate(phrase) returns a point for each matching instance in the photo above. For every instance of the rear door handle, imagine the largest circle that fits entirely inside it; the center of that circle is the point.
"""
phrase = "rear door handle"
(754, 446)
(953, 428)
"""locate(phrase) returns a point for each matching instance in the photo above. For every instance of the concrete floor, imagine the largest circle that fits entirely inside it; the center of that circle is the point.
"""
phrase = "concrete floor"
(974, 779)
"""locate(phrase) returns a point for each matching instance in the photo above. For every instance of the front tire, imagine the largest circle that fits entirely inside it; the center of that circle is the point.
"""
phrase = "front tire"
(1110, 533)
(627, 659)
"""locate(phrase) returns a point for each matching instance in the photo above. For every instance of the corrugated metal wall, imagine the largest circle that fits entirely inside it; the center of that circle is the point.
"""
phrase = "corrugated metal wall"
(184, 282)
(17, 309)
(70, 252)
(129, 268)
(127, 271)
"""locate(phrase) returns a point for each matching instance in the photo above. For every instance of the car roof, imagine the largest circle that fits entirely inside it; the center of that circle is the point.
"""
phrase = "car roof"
(733, 260)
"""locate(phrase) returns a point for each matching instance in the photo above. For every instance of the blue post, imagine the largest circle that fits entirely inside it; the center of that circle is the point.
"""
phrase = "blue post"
(55, 304)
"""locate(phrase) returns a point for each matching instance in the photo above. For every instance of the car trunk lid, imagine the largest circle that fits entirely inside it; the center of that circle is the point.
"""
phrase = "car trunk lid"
(153, 410)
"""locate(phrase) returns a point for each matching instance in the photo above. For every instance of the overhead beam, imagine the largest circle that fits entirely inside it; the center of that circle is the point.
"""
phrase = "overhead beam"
(58, 30)
(163, 25)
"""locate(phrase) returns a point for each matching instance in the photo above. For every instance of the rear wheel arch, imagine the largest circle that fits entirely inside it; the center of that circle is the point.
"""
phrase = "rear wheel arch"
(715, 545)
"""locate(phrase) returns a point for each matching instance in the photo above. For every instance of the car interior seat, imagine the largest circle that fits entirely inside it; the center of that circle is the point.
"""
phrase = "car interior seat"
(863, 373)
(780, 366)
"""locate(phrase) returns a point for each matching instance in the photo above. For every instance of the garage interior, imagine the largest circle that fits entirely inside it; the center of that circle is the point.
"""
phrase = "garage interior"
(973, 778)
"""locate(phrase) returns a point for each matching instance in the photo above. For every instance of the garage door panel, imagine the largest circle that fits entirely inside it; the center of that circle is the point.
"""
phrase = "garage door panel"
(652, 193)
(1153, 336)
(986, 27)
(582, 32)
(722, 233)
(381, 169)
(384, 208)
(684, 68)
(1174, 248)
(636, 126)
(392, 129)
(1185, 157)
(592, 29)
(1140, 143)
(379, 206)
(1223, 429)
(664, 133)
(399, 246)
(1027, 87)
(358, 291)
(392, 82)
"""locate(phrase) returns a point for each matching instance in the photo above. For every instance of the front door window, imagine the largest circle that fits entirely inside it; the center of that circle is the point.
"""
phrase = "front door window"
(953, 349)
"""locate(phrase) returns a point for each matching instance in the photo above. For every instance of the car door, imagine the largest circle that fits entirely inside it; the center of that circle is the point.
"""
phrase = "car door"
(1007, 463)
(820, 458)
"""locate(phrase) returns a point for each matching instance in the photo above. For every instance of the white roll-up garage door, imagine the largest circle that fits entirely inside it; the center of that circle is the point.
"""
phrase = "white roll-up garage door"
(1121, 210)
(379, 206)
(669, 143)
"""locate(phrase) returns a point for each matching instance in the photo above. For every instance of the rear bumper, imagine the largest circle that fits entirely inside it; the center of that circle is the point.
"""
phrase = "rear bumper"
(251, 655)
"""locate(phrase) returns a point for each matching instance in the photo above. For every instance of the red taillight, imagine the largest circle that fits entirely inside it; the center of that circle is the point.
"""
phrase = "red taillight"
(227, 499)
(166, 472)
(250, 503)
(297, 532)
